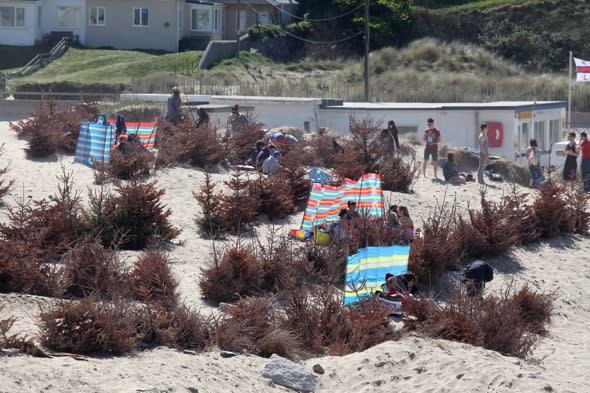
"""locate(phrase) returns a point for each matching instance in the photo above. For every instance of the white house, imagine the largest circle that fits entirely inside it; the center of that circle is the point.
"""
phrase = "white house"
(19, 22)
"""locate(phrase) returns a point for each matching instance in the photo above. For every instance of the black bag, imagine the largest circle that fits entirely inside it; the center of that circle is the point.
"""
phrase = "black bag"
(479, 271)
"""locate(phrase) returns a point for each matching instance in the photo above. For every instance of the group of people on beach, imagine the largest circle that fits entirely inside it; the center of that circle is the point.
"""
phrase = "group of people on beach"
(572, 151)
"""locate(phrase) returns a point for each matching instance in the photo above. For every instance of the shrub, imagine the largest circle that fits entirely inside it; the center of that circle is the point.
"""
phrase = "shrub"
(322, 321)
(136, 212)
(535, 308)
(51, 225)
(508, 323)
(21, 269)
(523, 215)
(210, 222)
(293, 170)
(490, 231)
(324, 149)
(131, 165)
(183, 142)
(178, 327)
(253, 326)
(237, 274)
(152, 280)
(51, 129)
(239, 206)
(577, 202)
(87, 327)
(274, 194)
(239, 143)
(399, 174)
(551, 211)
(439, 248)
(92, 270)
(5, 185)
(23, 343)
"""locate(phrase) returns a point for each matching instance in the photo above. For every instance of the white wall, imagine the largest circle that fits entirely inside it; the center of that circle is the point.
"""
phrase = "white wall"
(49, 17)
(277, 111)
(25, 35)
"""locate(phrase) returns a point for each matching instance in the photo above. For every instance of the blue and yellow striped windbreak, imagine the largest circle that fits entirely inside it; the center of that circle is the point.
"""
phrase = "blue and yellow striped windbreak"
(365, 270)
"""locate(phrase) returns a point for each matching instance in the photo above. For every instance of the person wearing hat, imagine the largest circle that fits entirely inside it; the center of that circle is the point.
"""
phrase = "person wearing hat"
(484, 155)
(173, 113)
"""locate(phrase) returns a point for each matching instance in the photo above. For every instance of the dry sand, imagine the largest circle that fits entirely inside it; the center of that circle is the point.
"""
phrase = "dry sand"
(414, 364)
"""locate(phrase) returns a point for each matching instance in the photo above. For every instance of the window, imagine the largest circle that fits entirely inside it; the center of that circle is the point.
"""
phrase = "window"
(96, 16)
(540, 134)
(216, 19)
(242, 20)
(68, 17)
(263, 17)
(12, 17)
(140, 17)
(554, 131)
(524, 137)
(201, 19)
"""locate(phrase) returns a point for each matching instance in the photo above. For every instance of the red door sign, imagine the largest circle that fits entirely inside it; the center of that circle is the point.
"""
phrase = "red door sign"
(495, 134)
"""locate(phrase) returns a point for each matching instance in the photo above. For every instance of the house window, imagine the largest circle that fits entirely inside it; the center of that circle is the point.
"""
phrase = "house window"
(68, 17)
(96, 16)
(140, 17)
(263, 17)
(540, 134)
(242, 20)
(201, 19)
(554, 131)
(12, 17)
(216, 19)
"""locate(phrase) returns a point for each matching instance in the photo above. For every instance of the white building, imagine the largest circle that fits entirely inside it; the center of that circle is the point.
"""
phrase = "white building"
(511, 124)
(19, 22)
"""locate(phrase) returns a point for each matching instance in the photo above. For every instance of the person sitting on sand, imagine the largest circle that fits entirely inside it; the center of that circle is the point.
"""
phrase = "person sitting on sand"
(264, 154)
(254, 152)
(406, 223)
(339, 227)
(352, 212)
(121, 144)
(450, 172)
(271, 164)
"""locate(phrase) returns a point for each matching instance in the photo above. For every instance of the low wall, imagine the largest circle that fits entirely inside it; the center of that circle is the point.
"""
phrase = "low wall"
(218, 50)
(11, 110)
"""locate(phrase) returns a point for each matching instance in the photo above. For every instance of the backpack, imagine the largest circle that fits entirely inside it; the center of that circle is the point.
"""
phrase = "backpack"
(479, 271)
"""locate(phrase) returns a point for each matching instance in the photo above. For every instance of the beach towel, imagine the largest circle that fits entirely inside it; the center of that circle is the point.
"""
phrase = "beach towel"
(365, 270)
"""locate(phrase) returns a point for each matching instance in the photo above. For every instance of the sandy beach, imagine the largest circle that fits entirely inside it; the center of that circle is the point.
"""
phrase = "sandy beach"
(413, 364)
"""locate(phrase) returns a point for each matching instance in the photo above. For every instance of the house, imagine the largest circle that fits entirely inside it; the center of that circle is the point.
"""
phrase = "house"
(19, 22)
(169, 25)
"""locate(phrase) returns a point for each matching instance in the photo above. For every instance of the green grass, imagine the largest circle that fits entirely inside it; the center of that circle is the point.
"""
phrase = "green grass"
(112, 66)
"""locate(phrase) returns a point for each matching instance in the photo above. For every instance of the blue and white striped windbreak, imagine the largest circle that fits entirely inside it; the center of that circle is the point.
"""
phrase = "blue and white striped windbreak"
(94, 143)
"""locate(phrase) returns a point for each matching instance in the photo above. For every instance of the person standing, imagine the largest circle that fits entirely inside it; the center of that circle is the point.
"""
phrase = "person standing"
(532, 155)
(484, 155)
(585, 167)
(173, 113)
(571, 158)
(432, 139)
(390, 137)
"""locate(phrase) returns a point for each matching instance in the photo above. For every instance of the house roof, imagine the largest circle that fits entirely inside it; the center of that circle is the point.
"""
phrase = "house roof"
(255, 2)
(516, 105)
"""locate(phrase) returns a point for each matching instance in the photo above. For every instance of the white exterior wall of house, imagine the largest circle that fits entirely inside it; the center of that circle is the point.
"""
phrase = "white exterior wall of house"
(275, 112)
(26, 30)
(460, 126)
(64, 15)
(121, 30)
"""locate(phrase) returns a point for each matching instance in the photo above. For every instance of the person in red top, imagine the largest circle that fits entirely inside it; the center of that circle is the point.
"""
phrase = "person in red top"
(432, 139)
(585, 167)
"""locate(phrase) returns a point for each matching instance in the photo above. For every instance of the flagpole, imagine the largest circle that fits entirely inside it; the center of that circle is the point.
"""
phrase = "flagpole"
(569, 96)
